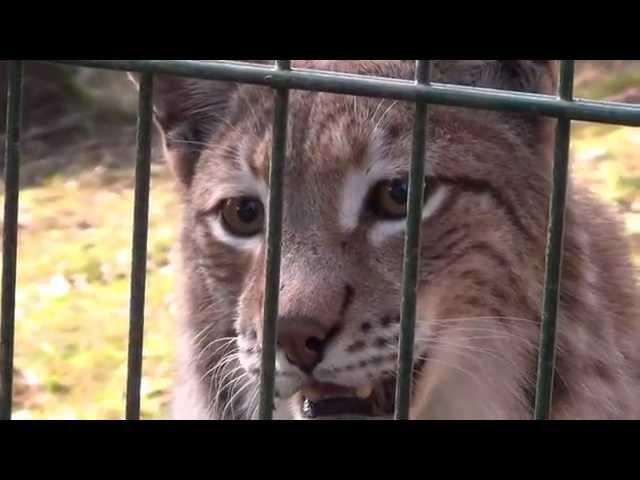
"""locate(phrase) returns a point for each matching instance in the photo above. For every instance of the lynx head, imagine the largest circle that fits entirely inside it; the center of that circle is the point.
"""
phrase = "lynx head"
(345, 184)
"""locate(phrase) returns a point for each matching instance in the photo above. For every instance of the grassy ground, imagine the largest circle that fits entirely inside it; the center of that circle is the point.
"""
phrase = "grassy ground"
(74, 261)
(72, 298)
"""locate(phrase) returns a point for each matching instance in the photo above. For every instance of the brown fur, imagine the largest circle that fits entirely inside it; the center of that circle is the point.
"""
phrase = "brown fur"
(482, 251)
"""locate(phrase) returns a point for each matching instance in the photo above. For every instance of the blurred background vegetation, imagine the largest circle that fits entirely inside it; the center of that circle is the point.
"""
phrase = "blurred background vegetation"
(75, 223)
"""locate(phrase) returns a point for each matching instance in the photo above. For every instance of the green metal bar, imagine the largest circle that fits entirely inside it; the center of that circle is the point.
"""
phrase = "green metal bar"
(439, 94)
(10, 235)
(411, 268)
(139, 246)
(555, 240)
(274, 235)
(563, 107)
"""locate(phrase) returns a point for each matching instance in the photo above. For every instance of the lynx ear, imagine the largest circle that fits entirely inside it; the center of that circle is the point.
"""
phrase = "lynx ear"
(187, 111)
(531, 76)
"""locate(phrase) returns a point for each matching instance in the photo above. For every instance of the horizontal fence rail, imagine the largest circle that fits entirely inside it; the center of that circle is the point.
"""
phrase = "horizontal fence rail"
(282, 78)
(368, 86)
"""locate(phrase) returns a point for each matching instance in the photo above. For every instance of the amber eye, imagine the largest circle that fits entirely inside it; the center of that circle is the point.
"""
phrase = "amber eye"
(389, 198)
(243, 216)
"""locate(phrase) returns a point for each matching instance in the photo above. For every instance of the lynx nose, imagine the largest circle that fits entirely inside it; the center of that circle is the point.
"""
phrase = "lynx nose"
(303, 340)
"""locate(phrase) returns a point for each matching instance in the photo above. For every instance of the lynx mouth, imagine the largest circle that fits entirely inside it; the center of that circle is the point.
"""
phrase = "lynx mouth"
(330, 401)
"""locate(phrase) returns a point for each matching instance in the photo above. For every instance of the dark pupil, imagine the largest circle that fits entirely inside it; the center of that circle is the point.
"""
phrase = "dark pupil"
(398, 191)
(248, 210)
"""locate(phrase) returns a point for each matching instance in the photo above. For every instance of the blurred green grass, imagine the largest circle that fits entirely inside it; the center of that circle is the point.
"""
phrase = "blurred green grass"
(74, 259)
(72, 298)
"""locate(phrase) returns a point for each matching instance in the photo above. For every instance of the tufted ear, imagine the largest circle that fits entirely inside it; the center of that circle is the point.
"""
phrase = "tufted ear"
(187, 111)
(531, 76)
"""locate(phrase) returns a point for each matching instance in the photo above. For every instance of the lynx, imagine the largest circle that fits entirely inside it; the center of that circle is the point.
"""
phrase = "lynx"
(487, 187)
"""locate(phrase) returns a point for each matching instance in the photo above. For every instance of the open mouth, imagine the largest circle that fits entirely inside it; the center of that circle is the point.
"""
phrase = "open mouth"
(329, 401)
(374, 401)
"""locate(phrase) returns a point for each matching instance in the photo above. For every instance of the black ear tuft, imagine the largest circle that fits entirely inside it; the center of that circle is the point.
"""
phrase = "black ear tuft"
(187, 111)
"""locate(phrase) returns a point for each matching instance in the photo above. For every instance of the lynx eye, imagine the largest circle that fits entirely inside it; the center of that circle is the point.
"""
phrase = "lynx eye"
(389, 198)
(243, 216)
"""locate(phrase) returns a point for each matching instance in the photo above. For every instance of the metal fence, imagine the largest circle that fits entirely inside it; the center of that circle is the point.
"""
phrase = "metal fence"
(282, 78)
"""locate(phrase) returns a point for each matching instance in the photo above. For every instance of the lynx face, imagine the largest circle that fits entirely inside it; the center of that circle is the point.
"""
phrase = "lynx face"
(345, 182)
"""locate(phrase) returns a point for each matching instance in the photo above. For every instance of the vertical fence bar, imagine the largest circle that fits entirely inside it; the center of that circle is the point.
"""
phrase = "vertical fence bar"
(412, 252)
(139, 246)
(10, 235)
(555, 241)
(274, 235)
